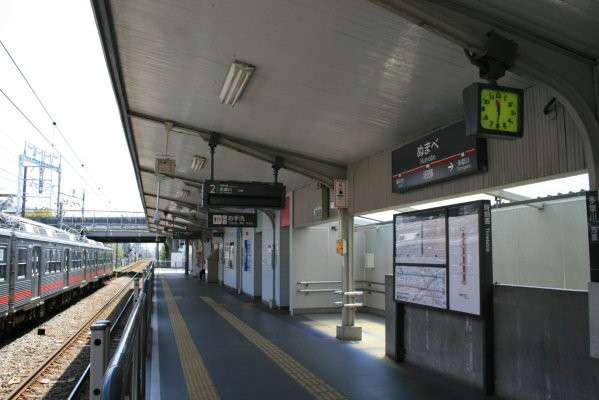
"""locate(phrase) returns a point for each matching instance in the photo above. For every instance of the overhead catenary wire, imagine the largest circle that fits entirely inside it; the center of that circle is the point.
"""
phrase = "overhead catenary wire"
(41, 103)
(51, 144)
(95, 187)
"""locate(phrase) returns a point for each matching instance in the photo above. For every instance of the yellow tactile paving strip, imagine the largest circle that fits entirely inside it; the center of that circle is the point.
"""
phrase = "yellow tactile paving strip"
(313, 384)
(197, 378)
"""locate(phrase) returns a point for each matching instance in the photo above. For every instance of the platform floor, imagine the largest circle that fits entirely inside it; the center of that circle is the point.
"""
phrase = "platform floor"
(209, 343)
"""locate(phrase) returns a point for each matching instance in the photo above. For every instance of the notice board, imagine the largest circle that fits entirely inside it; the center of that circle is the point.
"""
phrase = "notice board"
(443, 257)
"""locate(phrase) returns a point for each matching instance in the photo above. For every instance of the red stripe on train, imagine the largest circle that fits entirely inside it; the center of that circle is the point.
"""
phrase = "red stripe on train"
(52, 285)
(23, 294)
(75, 279)
(4, 299)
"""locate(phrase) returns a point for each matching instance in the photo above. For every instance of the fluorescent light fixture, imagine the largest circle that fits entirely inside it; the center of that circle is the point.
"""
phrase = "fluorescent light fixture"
(197, 163)
(237, 79)
(183, 194)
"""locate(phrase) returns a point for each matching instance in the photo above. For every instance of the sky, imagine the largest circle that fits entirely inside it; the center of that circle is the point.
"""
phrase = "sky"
(56, 46)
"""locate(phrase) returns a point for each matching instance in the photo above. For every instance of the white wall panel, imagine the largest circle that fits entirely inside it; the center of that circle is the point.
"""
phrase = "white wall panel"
(547, 247)
(315, 259)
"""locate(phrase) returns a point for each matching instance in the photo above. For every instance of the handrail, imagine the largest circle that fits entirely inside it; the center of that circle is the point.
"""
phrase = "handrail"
(125, 374)
(306, 291)
(316, 282)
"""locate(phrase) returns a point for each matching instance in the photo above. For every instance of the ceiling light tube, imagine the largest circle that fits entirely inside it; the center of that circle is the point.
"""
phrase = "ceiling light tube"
(183, 194)
(197, 163)
(237, 79)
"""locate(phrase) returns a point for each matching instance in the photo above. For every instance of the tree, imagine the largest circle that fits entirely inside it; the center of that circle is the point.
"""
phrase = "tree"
(163, 252)
(39, 213)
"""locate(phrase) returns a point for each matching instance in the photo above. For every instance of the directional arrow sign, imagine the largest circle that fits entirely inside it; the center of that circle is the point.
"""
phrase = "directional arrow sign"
(450, 167)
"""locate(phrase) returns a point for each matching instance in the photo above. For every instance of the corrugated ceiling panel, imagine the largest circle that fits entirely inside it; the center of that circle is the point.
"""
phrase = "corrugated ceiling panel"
(539, 154)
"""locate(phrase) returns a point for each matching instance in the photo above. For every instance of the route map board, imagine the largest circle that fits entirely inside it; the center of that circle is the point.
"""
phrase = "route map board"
(442, 257)
(422, 238)
(421, 285)
(445, 154)
(464, 259)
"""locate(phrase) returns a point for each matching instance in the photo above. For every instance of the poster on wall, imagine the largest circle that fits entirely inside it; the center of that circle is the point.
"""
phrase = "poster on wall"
(229, 254)
(247, 255)
(464, 259)
(420, 238)
(426, 286)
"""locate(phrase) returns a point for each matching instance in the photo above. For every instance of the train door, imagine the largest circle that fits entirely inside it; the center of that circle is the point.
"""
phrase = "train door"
(36, 265)
(84, 264)
(66, 265)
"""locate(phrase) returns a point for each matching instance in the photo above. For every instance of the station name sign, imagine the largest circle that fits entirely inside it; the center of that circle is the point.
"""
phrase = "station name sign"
(243, 194)
(232, 220)
(445, 154)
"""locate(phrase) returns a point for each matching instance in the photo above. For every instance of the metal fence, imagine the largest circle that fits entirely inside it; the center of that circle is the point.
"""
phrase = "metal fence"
(125, 374)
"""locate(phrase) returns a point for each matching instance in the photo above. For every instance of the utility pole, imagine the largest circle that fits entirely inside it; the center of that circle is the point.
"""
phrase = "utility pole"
(37, 158)
(24, 191)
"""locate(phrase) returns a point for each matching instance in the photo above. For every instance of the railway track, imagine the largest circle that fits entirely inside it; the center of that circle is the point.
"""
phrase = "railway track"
(36, 384)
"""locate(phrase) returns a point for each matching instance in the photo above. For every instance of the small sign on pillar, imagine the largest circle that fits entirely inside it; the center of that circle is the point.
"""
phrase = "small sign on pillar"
(341, 247)
(341, 197)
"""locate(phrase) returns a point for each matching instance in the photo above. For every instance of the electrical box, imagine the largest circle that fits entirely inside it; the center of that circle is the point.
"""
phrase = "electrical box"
(165, 166)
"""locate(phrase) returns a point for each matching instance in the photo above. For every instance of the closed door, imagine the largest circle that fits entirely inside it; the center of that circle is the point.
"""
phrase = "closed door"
(66, 265)
(36, 263)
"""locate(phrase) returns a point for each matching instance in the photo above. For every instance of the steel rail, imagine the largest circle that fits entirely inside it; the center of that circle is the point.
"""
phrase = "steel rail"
(24, 385)
(78, 386)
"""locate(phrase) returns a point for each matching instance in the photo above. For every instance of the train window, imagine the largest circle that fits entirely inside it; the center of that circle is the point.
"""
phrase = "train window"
(76, 259)
(58, 260)
(48, 261)
(3, 255)
(22, 263)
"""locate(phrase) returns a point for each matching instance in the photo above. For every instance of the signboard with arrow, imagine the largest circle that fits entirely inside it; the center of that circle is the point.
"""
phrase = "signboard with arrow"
(445, 154)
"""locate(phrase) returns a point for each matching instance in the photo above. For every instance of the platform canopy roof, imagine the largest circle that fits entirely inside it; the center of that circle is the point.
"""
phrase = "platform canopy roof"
(335, 82)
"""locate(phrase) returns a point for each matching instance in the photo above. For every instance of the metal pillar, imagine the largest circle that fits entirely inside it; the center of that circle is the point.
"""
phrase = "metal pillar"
(99, 350)
(348, 330)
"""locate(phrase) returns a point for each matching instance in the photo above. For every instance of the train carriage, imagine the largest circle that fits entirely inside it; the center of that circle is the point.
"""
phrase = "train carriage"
(5, 242)
(41, 267)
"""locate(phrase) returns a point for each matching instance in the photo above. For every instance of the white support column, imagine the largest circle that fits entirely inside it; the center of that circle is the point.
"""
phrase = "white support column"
(348, 330)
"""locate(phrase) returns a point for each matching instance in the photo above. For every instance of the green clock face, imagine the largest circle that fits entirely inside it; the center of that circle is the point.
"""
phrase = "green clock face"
(500, 110)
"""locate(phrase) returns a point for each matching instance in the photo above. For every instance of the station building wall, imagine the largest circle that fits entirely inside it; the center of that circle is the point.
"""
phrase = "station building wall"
(370, 279)
(545, 248)
(552, 145)
(315, 260)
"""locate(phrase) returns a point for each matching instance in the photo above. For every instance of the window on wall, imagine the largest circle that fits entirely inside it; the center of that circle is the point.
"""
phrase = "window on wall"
(3, 256)
(22, 263)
